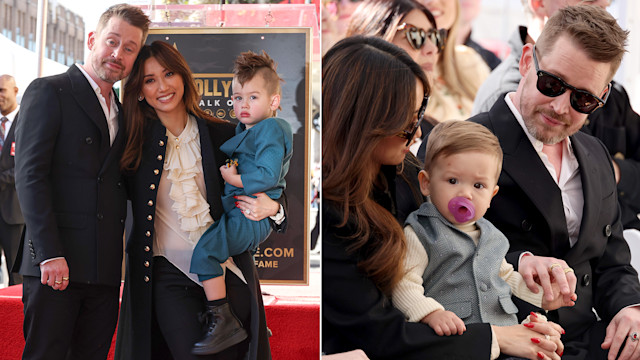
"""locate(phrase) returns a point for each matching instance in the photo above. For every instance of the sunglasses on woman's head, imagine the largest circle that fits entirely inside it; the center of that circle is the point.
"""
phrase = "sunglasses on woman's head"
(551, 85)
(417, 37)
(409, 134)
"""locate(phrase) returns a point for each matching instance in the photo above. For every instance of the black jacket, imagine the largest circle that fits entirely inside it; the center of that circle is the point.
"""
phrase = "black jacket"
(528, 209)
(136, 316)
(68, 180)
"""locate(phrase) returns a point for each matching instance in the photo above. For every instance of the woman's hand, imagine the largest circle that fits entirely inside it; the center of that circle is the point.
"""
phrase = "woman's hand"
(535, 341)
(258, 208)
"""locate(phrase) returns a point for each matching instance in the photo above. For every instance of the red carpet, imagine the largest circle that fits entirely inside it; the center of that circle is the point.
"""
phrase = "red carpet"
(293, 320)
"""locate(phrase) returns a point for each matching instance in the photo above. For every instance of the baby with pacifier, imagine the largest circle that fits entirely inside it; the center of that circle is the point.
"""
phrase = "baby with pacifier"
(455, 267)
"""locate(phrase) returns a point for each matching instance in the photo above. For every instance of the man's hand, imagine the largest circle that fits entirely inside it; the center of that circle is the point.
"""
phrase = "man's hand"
(55, 273)
(623, 326)
(543, 270)
(445, 323)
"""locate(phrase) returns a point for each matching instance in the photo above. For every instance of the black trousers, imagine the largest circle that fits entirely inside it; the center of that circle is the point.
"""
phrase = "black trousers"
(177, 302)
(77, 323)
(10, 235)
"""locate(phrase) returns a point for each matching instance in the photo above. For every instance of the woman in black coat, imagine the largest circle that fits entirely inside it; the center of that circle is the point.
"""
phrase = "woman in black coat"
(171, 165)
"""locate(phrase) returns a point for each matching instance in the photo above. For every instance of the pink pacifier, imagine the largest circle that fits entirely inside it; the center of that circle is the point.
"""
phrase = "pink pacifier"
(462, 209)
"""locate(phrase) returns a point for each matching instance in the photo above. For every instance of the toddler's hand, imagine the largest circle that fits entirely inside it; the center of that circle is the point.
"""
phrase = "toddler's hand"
(228, 170)
(559, 300)
(445, 323)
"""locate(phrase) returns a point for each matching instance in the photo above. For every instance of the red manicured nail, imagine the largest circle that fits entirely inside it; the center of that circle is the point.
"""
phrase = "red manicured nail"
(562, 332)
(561, 352)
(533, 314)
(235, 196)
(540, 355)
(529, 325)
(535, 340)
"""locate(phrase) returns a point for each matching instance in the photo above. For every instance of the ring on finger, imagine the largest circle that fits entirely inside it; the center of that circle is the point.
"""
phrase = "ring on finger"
(633, 336)
(547, 336)
(568, 270)
(554, 265)
(248, 212)
(66, 278)
(58, 282)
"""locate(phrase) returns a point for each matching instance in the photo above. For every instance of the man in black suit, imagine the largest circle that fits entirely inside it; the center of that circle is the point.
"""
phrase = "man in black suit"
(68, 146)
(11, 220)
(557, 197)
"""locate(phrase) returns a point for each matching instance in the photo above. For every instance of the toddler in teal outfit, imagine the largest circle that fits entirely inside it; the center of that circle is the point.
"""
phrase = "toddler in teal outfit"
(259, 156)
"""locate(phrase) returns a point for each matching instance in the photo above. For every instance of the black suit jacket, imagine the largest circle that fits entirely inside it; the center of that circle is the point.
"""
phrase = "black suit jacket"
(528, 209)
(134, 329)
(9, 205)
(68, 180)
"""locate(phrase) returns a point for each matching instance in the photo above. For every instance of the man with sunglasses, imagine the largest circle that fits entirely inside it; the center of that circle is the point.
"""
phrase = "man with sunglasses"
(557, 203)
(616, 124)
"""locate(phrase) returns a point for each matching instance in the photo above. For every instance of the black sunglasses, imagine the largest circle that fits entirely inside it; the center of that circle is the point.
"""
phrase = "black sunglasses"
(581, 100)
(417, 37)
(409, 134)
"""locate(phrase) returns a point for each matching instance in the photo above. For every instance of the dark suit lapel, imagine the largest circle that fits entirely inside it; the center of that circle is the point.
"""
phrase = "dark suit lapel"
(592, 192)
(524, 166)
(88, 101)
(114, 151)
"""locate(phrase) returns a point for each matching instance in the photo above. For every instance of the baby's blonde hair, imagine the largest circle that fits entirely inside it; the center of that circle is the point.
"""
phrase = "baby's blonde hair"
(455, 137)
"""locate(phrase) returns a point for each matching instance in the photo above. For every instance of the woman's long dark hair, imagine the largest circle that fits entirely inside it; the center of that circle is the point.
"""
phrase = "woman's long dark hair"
(368, 94)
(136, 113)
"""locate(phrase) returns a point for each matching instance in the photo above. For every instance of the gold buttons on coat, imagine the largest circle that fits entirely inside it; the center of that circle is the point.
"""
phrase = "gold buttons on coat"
(161, 143)
(146, 264)
(156, 172)
(152, 186)
(147, 248)
(150, 203)
(149, 217)
(159, 157)
(146, 279)
(147, 234)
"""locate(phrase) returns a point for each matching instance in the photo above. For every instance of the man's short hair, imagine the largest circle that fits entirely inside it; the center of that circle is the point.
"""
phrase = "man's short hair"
(454, 137)
(133, 15)
(590, 28)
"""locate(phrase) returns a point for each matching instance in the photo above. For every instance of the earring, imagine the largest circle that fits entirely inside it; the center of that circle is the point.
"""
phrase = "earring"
(140, 98)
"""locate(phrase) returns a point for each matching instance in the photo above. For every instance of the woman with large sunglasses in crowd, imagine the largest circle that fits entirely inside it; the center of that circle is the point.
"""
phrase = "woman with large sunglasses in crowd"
(456, 71)
(372, 93)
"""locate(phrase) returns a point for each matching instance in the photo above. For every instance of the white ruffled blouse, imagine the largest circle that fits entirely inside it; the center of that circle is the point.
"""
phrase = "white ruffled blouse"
(182, 211)
(183, 164)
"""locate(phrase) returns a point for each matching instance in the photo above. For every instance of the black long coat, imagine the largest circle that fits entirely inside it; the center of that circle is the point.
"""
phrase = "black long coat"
(134, 328)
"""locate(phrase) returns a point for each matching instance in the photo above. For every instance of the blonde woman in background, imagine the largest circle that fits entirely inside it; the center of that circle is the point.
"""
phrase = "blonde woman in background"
(460, 70)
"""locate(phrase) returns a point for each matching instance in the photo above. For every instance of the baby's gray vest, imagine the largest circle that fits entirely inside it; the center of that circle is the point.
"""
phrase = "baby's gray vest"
(461, 276)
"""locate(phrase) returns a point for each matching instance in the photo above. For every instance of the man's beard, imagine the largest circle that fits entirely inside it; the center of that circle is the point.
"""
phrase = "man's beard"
(536, 129)
(108, 75)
